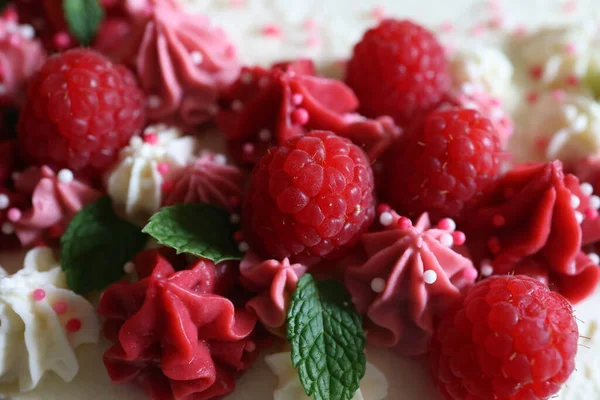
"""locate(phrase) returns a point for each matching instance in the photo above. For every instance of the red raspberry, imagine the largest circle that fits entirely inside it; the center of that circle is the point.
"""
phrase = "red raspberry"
(398, 69)
(309, 198)
(512, 339)
(443, 164)
(80, 111)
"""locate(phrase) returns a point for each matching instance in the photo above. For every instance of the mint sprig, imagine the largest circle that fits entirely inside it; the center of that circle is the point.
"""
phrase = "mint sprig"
(327, 339)
(83, 18)
(203, 230)
(96, 246)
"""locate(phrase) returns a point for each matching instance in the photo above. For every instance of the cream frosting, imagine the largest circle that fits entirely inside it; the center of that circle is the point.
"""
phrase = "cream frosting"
(20, 57)
(137, 181)
(374, 385)
(182, 63)
(566, 128)
(486, 68)
(42, 322)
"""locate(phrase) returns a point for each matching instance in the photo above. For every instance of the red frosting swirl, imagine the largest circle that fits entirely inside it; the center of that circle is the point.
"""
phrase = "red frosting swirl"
(530, 213)
(174, 336)
(208, 180)
(389, 284)
(54, 203)
(265, 107)
(182, 63)
(275, 281)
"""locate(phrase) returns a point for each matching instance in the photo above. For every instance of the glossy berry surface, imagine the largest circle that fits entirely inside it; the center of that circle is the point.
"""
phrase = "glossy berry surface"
(442, 164)
(81, 109)
(512, 339)
(309, 198)
(398, 69)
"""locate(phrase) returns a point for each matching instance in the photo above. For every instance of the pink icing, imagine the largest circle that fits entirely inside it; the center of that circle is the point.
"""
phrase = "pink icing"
(207, 181)
(275, 281)
(182, 63)
(52, 202)
(20, 58)
(403, 311)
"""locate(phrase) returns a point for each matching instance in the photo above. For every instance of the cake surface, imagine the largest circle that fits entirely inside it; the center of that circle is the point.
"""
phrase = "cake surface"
(268, 31)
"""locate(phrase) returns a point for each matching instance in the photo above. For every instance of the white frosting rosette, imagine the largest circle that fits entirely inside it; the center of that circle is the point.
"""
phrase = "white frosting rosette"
(567, 129)
(41, 323)
(136, 182)
(484, 68)
(560, 53)
(374, 385)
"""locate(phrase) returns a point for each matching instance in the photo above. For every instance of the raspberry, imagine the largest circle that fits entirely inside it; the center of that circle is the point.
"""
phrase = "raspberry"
(80, 111)
(398, 69)
(512, 339)
(442, 165)
(309, 198)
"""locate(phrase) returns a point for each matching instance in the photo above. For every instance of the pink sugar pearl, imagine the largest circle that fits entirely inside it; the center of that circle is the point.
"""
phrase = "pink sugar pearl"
(39, 294)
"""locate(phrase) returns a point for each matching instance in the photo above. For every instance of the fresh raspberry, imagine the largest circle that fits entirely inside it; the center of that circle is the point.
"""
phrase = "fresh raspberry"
(398, 69)
(309, 198)
(80, 111)
(442, 165)
(512, 339)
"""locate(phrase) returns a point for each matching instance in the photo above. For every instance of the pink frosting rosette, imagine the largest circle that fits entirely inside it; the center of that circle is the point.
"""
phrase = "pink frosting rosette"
(182, 64)
(55, 199)
(20, 57)
(407, 277)
(208, 180)
(275, 281)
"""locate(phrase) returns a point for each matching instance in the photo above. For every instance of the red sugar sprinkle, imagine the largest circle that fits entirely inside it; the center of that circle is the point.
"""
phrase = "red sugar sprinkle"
(271, 30)
(38, 294)
(536, 72)
(404, 223)
(163, 168)
(572, 80)
(459, 238)
(151, 138)
(73, 325)
(60, 307)
(300, 116)
(532, 97)
(383, 207)
(62, 40)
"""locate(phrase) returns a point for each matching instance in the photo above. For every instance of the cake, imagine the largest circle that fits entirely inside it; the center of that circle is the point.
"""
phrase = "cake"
(214, 126)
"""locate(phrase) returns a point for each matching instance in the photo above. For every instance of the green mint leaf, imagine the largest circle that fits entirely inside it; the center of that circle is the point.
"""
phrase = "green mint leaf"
(96, 246)
(203, 230)
(327, 339)
(84, 18)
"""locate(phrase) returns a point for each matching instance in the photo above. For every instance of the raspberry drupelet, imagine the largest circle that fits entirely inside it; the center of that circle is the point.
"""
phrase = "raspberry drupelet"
(512, 339)
(81, 109)
(398, 69)
(442, 164)
(309, 198)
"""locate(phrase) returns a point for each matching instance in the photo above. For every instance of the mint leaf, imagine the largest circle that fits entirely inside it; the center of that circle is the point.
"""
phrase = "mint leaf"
(96, 246)
(327, 339)
(83, 18)
(203, 230)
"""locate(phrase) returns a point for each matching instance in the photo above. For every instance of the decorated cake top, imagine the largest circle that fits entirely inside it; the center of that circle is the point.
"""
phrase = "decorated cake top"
(390, 208)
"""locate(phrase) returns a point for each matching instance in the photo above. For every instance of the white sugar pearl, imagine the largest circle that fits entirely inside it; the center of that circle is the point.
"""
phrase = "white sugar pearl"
(243, 247)
(575, 201)
(4, 201)
(237, 105)
(220, 159)
(154, 101)
(447, 240)
(246, 78)
(197, 57)
(234, 218)
(595, 202)
(386, 218)
(129, 268)
(579, 217)
(8, 228)
(586, 189)
(65, 176)
(595, 258)
(378, 285)
(451, 224)
(486, 269)
(264, 135)
(429, 276)
(27, 31)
